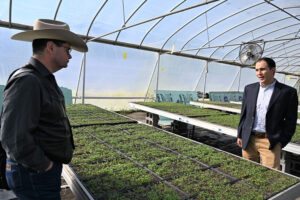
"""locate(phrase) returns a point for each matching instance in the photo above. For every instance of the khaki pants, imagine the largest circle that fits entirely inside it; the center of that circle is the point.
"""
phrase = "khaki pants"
(258, 150)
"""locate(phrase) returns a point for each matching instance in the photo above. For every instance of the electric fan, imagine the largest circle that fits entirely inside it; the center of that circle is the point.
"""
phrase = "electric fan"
(250, 53)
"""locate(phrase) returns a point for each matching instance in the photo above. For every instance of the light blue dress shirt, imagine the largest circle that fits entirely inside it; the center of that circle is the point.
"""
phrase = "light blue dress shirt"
(263, 100)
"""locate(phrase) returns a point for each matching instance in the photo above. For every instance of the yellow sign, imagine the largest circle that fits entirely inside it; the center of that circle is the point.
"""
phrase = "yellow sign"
(288, 78)
(125, 55)
(162, 69)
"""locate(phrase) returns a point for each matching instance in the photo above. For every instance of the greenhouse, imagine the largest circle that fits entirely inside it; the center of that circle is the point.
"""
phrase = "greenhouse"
(155, 103)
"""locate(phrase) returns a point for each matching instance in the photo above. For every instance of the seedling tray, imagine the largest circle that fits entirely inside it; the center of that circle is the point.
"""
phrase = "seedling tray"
(135, 161)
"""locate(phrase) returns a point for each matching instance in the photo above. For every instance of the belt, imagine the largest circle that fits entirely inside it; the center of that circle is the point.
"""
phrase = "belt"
(259, 134)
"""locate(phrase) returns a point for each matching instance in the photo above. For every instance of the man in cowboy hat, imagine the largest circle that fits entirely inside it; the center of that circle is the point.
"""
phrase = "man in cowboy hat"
(35, 130)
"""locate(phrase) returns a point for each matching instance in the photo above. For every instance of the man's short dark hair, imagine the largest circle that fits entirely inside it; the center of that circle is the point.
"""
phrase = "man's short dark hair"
(271, 63)
(39, 45)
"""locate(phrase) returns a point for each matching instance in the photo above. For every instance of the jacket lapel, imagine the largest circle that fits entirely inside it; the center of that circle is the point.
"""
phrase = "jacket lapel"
(275, 94)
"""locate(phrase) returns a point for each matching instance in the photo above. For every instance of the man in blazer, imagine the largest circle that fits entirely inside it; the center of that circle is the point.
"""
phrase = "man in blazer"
(268, 117)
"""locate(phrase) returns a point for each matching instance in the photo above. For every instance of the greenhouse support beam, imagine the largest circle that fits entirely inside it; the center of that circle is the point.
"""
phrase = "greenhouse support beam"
(233, 80)
(292, 59)
(126, 21)
(239, 25)
(79, 77)
(17, 26)
(259, 36)
(57, 9)
(238, 74)
(190, 21)
(157, 77)
(199, 79)
(10, 12)
(156, 64)
(279, 45)
(83, 78)
(155, 18)
(92, 22)
(205, 76)
(158, 50)
(240, 79)
(146, 48)
(269, 2)
(152, 27)
(294, 56)
(212, 25)
(285, 57)
(292, 66)
(278, 50)
(5, 24)
(238, 44)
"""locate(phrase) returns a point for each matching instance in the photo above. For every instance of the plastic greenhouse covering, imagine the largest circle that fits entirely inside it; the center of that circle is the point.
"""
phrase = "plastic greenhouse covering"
(139, 46)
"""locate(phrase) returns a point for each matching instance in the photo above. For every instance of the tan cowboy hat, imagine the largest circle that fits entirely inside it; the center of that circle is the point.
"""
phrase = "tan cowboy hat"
(50, 29)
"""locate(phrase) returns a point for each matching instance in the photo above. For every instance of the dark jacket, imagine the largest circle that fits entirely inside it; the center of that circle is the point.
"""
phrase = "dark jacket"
(34, 125)
(281, 116)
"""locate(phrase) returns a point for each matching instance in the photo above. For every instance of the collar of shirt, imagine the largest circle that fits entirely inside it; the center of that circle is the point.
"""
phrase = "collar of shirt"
(39, 67)
(269, 86)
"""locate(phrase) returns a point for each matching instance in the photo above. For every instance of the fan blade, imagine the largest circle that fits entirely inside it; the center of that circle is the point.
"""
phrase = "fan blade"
(244, 58)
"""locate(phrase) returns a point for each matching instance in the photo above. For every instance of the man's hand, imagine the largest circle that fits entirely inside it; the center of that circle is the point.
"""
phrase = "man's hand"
(239, 142)
(50, 166)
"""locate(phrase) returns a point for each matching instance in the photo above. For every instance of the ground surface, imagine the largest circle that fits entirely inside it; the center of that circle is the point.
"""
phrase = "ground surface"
(139, 116)
(66, 193)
